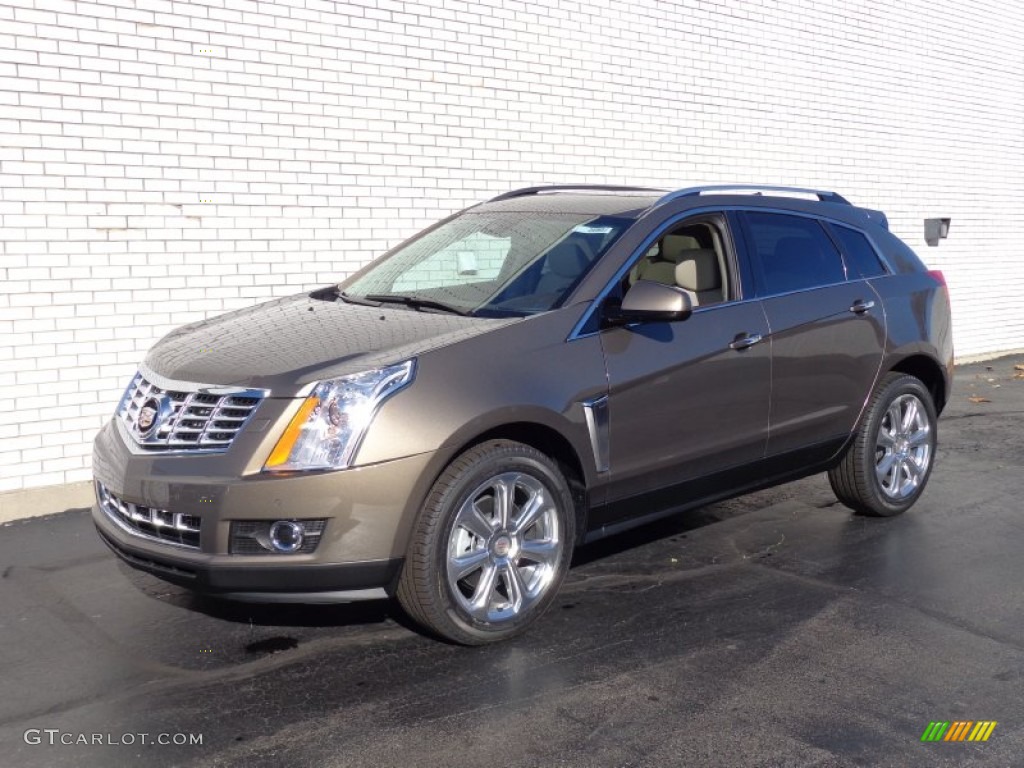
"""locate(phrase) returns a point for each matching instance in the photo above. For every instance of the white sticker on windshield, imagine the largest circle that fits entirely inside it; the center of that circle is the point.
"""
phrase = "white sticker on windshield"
(583, 229)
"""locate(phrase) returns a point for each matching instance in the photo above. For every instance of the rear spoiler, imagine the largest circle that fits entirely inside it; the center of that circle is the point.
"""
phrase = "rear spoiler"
(876, 217)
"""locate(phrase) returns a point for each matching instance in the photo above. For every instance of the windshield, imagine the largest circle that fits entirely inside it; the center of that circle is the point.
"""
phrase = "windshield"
(494, 264)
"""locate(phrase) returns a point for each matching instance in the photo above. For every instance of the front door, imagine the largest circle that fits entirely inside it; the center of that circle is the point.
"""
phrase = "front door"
(686, 398)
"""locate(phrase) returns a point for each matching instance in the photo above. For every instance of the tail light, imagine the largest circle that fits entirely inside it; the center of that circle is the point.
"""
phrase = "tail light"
(937, 274)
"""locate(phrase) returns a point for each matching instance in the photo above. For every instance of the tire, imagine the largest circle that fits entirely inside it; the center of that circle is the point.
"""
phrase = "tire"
(474, 575)
(885, 469)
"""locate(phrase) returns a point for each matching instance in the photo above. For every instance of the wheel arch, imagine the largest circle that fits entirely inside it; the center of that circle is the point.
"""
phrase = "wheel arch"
(930, 373)
(542, 437)
(551, 443)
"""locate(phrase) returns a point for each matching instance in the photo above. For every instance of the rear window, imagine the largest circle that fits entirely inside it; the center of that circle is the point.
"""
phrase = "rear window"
(861, 258)
(792, 253)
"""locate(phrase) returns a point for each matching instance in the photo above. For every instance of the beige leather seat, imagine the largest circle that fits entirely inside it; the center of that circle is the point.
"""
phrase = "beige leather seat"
(661, 267)
(675, 247)
(699, 275)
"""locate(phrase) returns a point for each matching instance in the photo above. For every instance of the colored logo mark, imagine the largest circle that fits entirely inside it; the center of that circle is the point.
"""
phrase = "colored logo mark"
(959, 730)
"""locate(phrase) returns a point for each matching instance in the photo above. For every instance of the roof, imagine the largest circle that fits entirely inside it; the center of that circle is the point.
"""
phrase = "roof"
(633, 202)
(628, 205)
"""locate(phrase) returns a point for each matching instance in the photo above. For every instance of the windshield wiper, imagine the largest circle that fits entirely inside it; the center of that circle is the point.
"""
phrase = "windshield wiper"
(416, 302)
(349, 299)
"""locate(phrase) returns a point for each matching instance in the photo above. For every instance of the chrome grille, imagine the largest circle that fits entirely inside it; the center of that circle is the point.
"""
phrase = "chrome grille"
(185, 416)
(150, 522)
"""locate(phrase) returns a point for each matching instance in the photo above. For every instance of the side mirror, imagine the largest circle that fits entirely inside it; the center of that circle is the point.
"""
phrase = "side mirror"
(647, 301)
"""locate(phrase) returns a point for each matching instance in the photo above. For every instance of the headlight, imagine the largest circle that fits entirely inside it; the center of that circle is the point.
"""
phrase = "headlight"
(330, 424)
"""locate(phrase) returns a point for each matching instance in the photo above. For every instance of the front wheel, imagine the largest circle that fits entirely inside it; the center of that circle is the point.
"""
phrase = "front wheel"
(885, 469)
(491, 545)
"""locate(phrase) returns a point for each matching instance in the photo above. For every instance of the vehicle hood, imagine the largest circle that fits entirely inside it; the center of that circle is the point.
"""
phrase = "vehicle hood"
(284, 344)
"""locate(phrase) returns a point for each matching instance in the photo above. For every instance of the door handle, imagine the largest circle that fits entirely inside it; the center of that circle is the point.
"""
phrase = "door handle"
(745, 341)
(860, 307)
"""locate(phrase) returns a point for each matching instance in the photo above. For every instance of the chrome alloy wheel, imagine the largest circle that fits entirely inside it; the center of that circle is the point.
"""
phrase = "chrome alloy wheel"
(504, 547)
(903, 448)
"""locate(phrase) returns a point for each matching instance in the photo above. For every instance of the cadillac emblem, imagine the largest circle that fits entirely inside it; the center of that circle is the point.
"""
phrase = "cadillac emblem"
(152, 414)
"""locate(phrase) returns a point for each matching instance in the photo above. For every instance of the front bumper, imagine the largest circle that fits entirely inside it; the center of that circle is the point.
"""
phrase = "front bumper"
(301, 583)
(369, 512)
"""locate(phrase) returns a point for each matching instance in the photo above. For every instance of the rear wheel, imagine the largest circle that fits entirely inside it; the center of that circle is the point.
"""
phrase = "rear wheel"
(885, 469)
(491, 546)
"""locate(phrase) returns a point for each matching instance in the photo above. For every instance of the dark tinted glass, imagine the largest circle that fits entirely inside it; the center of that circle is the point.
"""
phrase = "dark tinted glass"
(861, 258)
(898, 255)
(793, 252)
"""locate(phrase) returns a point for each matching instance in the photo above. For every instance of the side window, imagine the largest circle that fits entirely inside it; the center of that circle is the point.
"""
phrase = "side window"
(861, 258)
(691, 256)
(792, 252)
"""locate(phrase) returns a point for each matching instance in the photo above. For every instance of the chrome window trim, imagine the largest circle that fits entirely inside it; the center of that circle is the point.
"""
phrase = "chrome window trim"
(712, 308)
(576, 332)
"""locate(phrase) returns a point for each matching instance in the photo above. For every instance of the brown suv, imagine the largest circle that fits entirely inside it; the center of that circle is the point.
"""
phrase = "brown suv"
(538, 371)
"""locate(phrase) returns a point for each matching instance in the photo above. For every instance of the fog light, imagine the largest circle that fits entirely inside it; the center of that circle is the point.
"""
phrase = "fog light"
(286, 535)
(283, 537)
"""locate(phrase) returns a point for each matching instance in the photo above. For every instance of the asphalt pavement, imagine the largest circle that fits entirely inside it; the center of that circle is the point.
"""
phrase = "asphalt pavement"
(776, 629)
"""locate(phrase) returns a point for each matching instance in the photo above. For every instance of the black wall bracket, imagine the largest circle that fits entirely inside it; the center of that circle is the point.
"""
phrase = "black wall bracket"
(935, 230)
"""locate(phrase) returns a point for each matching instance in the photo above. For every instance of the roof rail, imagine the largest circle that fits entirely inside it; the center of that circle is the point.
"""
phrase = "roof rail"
(569, 188)
(821, 194)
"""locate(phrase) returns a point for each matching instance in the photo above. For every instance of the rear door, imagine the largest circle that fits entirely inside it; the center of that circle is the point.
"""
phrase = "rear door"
(827, 330)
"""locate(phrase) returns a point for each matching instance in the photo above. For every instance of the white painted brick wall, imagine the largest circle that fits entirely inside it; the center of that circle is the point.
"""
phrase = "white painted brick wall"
(163, 161)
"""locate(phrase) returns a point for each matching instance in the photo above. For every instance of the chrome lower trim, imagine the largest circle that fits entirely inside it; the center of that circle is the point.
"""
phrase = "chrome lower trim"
(128, 516)
(596, 412)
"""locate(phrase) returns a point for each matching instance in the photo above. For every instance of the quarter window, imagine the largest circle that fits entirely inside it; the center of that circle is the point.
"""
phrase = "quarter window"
(792, 252)
(861, 258)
